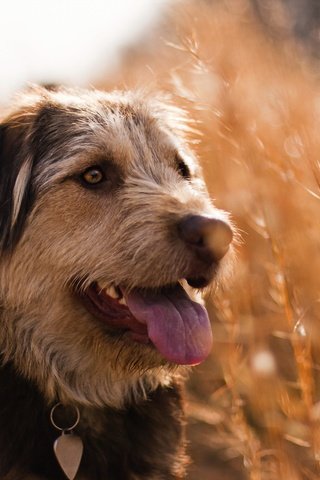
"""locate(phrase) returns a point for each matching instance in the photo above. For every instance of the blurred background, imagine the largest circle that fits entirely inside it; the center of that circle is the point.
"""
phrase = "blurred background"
(247, 71)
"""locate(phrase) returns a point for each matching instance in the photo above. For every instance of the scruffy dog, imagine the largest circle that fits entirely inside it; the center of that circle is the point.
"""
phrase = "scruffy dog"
(105, 225)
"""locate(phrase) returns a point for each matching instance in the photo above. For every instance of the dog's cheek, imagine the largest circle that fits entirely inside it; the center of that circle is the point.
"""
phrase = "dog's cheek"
(69, 231)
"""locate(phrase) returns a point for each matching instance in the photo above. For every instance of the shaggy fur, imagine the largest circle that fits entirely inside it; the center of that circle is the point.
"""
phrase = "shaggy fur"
(58, 236)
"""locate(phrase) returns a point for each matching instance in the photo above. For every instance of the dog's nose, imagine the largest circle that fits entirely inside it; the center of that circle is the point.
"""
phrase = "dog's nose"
(208, 237)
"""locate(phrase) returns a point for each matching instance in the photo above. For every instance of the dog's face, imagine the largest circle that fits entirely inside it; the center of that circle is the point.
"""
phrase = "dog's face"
(105, 216)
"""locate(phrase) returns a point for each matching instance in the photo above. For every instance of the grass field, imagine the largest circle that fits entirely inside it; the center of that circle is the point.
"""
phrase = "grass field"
(253, 406)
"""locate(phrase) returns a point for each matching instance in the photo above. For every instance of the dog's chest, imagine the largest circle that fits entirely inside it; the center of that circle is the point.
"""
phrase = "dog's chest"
(143, 441)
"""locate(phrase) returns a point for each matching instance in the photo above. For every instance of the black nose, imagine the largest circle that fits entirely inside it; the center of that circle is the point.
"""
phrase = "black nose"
(208, 237)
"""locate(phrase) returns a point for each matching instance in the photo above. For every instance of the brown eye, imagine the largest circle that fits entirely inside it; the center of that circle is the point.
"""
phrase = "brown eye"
(93, 176)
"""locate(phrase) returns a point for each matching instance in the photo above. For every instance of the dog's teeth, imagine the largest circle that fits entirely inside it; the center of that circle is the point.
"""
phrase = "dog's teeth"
(112, 292)
(122, 301)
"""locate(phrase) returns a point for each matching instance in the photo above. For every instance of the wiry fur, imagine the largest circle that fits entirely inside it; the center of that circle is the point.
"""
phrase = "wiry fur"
(57, 236)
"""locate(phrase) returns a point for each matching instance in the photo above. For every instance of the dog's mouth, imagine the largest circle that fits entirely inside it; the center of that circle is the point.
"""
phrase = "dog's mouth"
(166, 318)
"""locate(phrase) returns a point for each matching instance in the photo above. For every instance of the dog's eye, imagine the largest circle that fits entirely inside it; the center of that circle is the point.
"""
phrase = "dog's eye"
(183, 169)
(93, 176)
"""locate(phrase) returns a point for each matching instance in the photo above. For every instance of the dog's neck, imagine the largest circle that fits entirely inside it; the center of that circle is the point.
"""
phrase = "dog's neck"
(143, 437)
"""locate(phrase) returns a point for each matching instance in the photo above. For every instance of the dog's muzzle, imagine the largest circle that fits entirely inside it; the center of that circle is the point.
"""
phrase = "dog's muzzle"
(167, 318)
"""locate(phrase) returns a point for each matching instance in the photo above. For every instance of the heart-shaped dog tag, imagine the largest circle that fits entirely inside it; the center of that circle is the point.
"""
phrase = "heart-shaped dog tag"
(68, 450)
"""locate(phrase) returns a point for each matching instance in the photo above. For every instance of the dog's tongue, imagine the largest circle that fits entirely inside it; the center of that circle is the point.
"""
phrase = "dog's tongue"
(178, 327)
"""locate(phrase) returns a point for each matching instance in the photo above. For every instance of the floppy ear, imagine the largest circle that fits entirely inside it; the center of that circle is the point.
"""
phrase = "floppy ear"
(15, 175)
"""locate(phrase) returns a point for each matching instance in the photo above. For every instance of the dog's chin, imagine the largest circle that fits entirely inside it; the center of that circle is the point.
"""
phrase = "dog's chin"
(164, 321)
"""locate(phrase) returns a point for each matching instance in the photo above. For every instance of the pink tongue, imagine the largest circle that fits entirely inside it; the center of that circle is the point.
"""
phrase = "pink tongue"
(178, 327)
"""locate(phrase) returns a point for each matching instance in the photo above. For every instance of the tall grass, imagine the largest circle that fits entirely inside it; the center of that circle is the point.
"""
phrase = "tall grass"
(254, 406)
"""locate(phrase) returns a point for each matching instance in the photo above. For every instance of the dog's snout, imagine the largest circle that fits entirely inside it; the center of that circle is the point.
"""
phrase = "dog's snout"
(208, 237)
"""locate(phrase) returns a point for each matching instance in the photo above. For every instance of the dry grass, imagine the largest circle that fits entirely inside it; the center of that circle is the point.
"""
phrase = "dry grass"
(254, 406)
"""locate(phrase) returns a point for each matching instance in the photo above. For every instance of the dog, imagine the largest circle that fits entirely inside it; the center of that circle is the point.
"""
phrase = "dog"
(106, 230)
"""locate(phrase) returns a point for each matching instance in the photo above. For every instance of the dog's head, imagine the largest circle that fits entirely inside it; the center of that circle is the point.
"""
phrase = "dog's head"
(104, 217)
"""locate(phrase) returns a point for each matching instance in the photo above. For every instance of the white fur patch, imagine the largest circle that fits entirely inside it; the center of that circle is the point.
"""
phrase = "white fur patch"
(20, 187)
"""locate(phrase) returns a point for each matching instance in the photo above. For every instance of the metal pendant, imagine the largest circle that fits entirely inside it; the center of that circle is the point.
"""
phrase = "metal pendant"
(68, 449)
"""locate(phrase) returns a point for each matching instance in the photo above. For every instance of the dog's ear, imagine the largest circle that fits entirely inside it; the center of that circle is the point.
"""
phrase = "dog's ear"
(15, 181)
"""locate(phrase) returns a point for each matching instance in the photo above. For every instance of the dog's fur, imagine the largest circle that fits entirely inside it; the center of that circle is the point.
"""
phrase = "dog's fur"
(58, 236)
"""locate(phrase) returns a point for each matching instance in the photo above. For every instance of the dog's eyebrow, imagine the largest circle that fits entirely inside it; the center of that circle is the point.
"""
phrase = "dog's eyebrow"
(72, 167)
